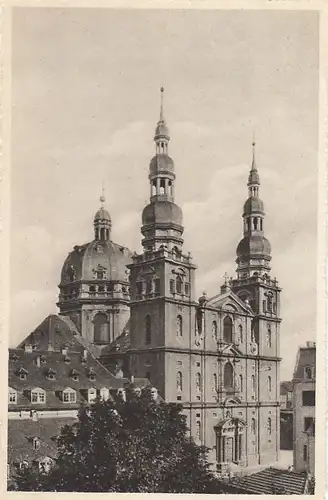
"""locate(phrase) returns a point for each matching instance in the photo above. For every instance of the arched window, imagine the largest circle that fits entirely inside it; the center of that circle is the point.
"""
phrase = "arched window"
(101, 328)
(269, 336)
(269, 425)
(215, 382)
(198, 430)
(253, 384)
(215, 330)
(241, 383)
(255, 223)
(179, 284)
(227, 329)
(179, 325)
(198, 382)
(179, 382)
(228, 376)
(253, 426)
(308, 373)
(255, 331)
(269, 384)
(147, 329)
(269, 302)
(240, 331)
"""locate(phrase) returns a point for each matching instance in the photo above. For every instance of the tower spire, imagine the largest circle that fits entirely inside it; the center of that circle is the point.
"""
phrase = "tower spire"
(161, 115)
(253, 252)
(102, 220)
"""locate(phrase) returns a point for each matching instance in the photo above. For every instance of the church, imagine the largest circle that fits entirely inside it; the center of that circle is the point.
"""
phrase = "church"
(138, 317)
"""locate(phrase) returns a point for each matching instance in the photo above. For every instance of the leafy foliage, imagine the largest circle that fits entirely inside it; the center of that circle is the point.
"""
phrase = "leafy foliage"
(133, 446)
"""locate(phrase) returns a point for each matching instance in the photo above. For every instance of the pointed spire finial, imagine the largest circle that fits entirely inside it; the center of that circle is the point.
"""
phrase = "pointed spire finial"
(253, 145)
(102, 197)
(161, 116)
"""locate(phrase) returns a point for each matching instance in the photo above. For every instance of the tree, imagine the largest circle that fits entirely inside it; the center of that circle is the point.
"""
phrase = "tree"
(133, 446)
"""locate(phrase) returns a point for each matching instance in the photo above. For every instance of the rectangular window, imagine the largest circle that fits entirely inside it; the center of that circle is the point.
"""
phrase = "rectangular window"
(187, 289)
(305, 453)
(12, 397)
(72, 397)
(178, 398)
(157, 286)
(148, 287)
(34, 397)
(264, 306)
(172, 286)
(41, 397)
(308, 398)
(66, 397)
(139, 287)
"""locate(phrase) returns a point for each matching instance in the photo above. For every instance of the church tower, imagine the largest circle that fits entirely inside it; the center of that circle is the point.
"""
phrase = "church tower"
(162, 282)
(254, 283)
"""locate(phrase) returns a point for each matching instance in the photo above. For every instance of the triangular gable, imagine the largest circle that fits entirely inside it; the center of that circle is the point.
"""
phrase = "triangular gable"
(229, 301)
(230, 349)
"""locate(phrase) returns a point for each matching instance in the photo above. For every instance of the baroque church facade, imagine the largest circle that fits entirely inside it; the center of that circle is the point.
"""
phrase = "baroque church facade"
(138, 314)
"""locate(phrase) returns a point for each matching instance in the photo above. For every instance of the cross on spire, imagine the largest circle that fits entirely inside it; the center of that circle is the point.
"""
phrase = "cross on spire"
(226, 278)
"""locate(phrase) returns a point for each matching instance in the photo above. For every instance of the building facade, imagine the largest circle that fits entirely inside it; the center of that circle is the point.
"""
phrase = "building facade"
(138, 315)
(304, 409)
(218, 356)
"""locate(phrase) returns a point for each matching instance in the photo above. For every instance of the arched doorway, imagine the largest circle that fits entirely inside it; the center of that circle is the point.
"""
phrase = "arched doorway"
(230, 441)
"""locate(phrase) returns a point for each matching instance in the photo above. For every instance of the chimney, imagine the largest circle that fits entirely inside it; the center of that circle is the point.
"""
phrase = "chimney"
(38, 361)
(85, 354)
(28, 348)
(132, 379)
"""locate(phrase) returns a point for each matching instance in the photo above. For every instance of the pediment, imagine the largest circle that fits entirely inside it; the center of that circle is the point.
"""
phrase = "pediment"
(230, 350)
(229, 302)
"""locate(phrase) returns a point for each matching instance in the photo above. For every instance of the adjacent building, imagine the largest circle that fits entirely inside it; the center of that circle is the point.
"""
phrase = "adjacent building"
(286, 415)
(304, 409)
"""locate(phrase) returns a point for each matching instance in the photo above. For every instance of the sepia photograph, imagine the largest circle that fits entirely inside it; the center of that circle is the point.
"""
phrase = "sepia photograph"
(163, 266)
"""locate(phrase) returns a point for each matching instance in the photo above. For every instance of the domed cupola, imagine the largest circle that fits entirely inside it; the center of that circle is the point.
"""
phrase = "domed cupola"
(94, 286)
(102, 222)
(162, 218)
(253, 251)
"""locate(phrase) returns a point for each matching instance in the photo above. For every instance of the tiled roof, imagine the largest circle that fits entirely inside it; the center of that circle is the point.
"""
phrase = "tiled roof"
(272, 480)
(59, 332)
(62, 365)
(21, 433)
(305, 357)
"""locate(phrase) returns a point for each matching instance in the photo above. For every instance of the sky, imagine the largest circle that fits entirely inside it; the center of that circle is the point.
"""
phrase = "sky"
(85, 102)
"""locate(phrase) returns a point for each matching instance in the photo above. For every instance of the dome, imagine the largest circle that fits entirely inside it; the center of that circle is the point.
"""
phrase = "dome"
(104, 256)
(253, 177)
(102, 214)
(162, 212)
(162, 130)
(252, 205)
(161, 162)
(254, 245)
